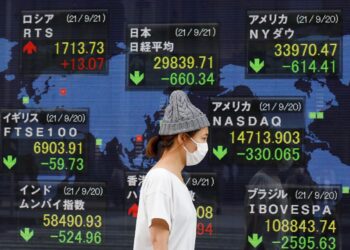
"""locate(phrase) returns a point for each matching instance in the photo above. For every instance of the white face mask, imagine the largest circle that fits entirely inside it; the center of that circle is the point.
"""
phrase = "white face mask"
(193, 158)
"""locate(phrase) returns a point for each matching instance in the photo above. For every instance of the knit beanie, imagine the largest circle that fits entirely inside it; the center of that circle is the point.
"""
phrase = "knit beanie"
(181, 115)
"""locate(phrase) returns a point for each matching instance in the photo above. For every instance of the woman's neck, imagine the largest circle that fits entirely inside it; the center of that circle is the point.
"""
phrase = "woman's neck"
(173, 160)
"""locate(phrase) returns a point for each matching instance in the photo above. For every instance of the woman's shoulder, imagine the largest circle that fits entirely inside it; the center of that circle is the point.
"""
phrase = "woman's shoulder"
(158, 171)
(157, 179)
(158, 174)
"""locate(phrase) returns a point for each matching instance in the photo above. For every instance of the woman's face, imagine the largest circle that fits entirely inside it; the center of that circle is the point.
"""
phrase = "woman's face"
(200, 137)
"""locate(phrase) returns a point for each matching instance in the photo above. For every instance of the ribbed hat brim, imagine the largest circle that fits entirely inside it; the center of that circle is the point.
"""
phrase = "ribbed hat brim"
(168, 128)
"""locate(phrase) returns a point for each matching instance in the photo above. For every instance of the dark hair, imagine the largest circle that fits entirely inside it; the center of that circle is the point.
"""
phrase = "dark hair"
(157, 144)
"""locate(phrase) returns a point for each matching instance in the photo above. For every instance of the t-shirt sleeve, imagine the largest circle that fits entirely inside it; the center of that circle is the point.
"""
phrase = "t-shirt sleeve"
(158, 206)
(158, 202)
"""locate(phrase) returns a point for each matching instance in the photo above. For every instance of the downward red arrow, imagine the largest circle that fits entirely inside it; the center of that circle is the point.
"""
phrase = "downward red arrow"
(29, 48)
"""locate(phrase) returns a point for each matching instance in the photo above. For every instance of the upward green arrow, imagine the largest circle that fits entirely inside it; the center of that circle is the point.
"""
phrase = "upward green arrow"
(27, 234)
(256, 65)
(255, 240)
(137, 77)
(220, 152)
(9, 161)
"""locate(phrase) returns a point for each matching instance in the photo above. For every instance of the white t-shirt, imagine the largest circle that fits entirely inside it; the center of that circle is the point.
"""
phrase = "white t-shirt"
(163, 195)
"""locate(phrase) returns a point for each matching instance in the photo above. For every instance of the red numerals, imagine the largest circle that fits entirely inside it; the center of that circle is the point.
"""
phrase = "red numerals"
(202, 229)
(84, 64)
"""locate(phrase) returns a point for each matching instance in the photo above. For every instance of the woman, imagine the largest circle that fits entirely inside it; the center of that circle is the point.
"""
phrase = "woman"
(167, 218)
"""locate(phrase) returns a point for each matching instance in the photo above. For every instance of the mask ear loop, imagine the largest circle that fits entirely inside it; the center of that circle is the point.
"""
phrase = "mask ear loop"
(183, 144)
(194, 141)
(185, 149)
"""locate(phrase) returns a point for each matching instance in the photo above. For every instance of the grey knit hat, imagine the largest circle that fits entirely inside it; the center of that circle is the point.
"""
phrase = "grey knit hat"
(181, 115)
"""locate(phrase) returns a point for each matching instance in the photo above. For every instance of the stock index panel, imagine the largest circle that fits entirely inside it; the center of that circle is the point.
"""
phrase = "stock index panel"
(84, 86)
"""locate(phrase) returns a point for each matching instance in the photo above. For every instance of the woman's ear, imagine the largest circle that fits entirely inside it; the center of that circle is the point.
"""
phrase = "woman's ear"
(181, 138)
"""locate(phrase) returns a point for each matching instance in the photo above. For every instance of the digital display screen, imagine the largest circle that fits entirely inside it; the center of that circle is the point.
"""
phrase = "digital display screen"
(85, 86)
